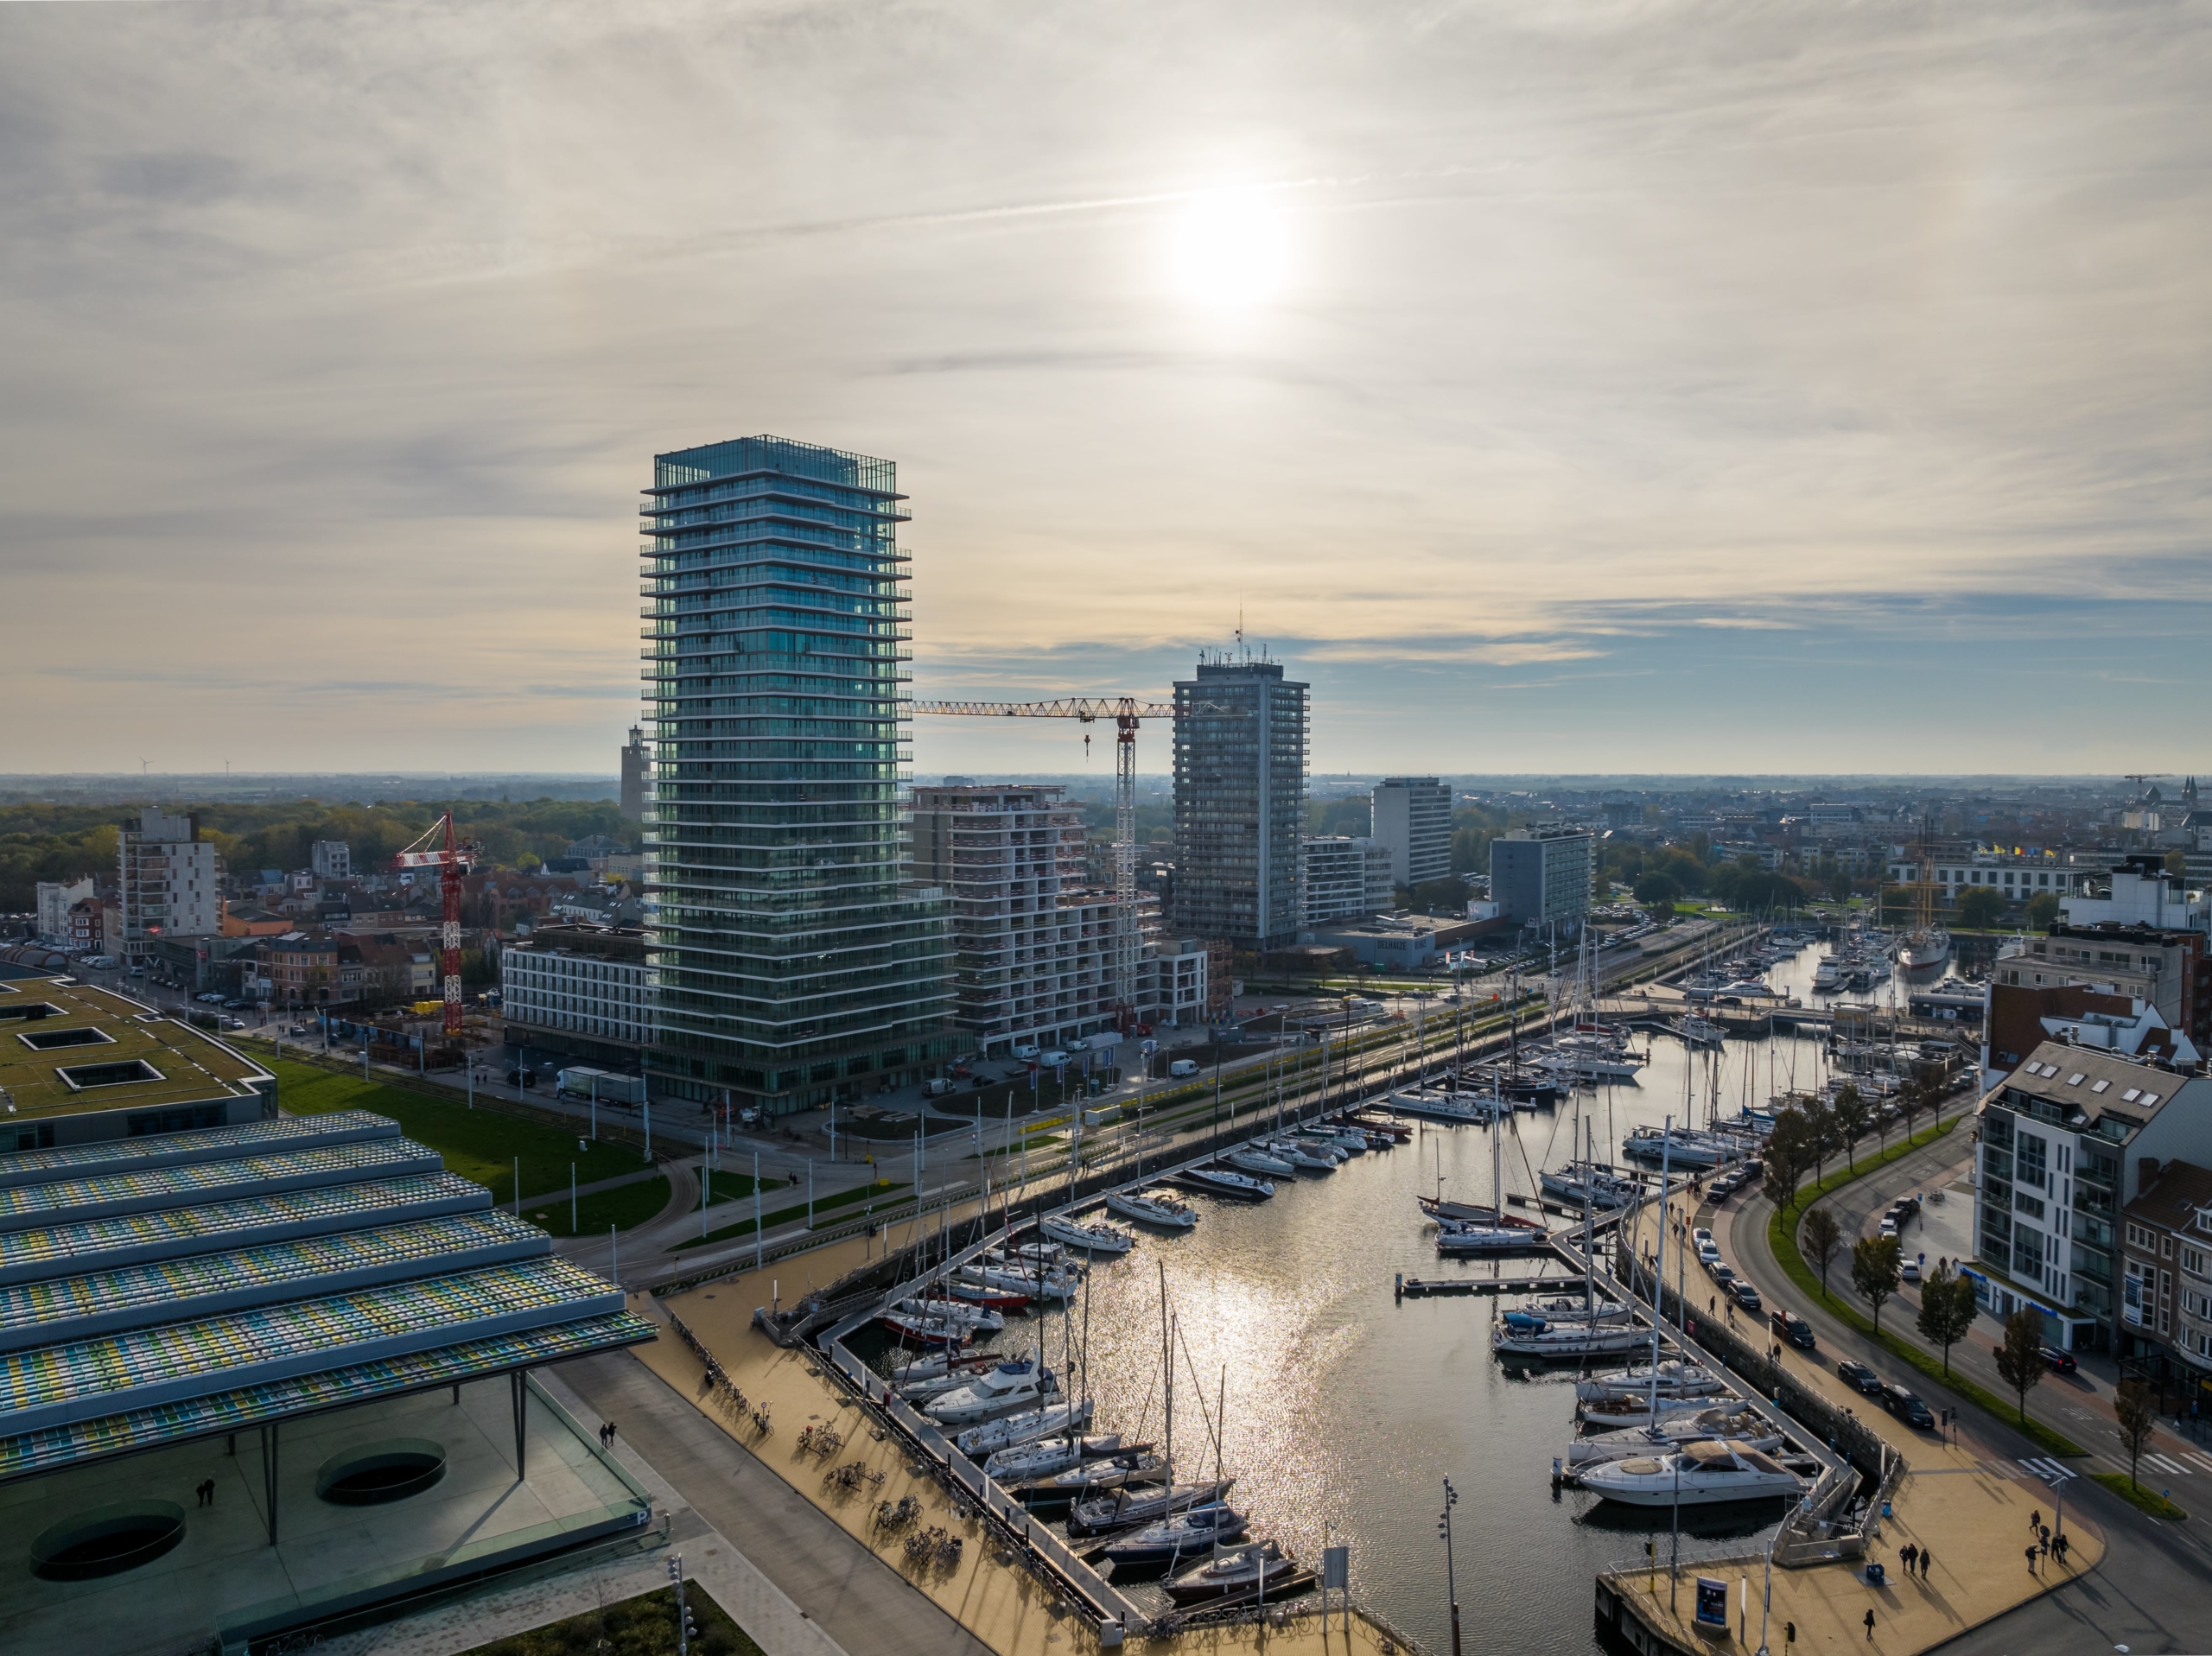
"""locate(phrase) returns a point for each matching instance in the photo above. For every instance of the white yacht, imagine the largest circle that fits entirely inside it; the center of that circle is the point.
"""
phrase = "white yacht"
(1220, 1181)
(1696, 1475)
(1681, 1147)
(952, 1313)
(1622, 1414)
(1828, 977)
(1563, 1308)
(1458, 1238)
(1038, 1281)
(1571, 1184)
(1675, 1378)
(1087, 1239)
(1006, 1389)
(1252, 1159)
(1047, 1456)
(1568, 1341)
(1673, 1431)
(1303, 1157)
(1008, 1431)
(1697, 1031)
(1153, 1207)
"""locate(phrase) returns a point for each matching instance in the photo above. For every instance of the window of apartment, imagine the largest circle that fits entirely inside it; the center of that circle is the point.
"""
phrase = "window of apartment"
(2139, 1237)
(2027, 1254)
(2027, 1204)
(2192, 1261)
(2032, 1165)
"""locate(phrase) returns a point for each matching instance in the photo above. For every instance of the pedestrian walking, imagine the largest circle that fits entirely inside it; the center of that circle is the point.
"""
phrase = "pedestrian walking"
(2031, 1560)
(1924, 1563)
(1910, 1555)
(1869, 1626)
(2035, 1520)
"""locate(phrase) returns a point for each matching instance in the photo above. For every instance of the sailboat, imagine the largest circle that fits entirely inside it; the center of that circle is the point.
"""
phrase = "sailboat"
(1458, 1238)
(1123, 1507)
(1571, 1341)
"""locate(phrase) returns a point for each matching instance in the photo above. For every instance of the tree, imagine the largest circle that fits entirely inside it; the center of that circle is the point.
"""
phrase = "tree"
(2019, 1357)
(2137, 1417)
(1820, 1133)
(1785, 1156)
(2042, 911)
(1851, 1118)
(1839, 886)
(1947, 1311)
(1981, 908)
(1822, 1237)
(1877, 1265)
(1656, 890)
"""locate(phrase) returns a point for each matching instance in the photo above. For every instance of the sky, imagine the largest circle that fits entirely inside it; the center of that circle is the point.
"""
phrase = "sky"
(1555, 387)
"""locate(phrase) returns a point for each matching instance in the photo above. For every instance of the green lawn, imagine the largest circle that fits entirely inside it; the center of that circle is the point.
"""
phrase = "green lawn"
(2144, 1500)
(625, 1207)
(480, 1145)
(883, 1194)
(1782, 1239)
(644, 1626)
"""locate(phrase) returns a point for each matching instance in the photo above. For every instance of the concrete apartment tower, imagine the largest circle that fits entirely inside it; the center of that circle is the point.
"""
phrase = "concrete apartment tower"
(1412, 821)
(171, 883)
(1544, 876)
(793, 960)
(634, 772)
(1240, 803)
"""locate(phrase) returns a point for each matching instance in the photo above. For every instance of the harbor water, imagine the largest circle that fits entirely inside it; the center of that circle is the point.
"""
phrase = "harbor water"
(1346, 1408)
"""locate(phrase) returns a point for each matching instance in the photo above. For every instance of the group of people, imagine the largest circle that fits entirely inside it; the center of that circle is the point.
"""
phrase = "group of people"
(2045, 1546)
(607, 1436)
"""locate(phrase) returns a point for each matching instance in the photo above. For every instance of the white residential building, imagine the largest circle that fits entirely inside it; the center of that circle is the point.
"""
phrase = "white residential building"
(2141, 893)
(1344, 878)
(332, 860)
(56, 899)
(1412, 818)
(1034, 945)
(171, 880)
(580, 989)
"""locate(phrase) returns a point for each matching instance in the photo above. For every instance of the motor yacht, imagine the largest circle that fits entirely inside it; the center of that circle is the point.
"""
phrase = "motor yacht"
(1254, 1571)
(1575, 1183)
(1012, 1431)
(1047, 1456)
(1697, 1031)
(1350, 1140)
(1680, 1147)
(1123, 1507)
(1673, 1431)
(1006, 1389)
(1305, 1158)
(1828, 977)
(1164, 1545)
(1086, 1239)
(1252, 1159)
(1623, 1413)
(1153, 1207)
(1697, 1474)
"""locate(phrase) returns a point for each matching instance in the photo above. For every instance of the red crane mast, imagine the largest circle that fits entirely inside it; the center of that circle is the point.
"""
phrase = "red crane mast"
(452, 861)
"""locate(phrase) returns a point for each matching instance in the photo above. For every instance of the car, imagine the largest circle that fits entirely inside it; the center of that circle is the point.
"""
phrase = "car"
(234, 1023)
(1746, 1296)
(1793, 1328)
(1908, 1271)
(209, 1000)
(1720, 1273)
(1906, 1406)
(1701, 1236)
(1888, 1226)
(1754, 1168)
(1859, 1375)
(522, 1078)
(2058, 1362)
(979, 1082)
(234, 1005)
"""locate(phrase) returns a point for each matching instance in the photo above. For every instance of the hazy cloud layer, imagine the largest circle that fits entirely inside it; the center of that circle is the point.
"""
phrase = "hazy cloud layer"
(1651, 384)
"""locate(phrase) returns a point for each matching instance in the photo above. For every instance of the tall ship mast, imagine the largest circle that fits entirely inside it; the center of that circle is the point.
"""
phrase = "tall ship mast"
(1927, 947)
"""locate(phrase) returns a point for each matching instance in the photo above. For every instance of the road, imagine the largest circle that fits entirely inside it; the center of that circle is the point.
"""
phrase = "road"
(2153, 1589)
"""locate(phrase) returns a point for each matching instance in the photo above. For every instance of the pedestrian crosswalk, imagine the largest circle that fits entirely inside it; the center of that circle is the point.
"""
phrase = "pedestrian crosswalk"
(2046, 1469)
(2182, 1465)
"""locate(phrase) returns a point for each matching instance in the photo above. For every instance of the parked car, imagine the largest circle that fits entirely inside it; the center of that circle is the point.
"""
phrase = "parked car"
(1888, 1226)
(235, 1005)
(1701, 1237)
(211, 999)
(1723, 1274)
(2058, 1362)
(1793, 1328)
(234, 1023)
(1746, 1296)
(522, 1078)
(1910, 1271)
(1907, 1407)
(1859, 1375)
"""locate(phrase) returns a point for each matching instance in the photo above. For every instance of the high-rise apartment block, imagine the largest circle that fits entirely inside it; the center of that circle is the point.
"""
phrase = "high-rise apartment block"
(1240, 803)
(1543, 876)
(636, 771)
(1344, 878)
(794, 960)
(1412, 822)
(332, 860)
(171, 883)
(1035, 944)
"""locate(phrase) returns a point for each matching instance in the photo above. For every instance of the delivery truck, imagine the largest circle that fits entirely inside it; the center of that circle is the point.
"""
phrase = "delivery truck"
(607, 1086)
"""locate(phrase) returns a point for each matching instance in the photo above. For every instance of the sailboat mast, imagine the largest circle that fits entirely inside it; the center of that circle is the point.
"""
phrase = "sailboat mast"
(1666, 1209)
(1167, 1366)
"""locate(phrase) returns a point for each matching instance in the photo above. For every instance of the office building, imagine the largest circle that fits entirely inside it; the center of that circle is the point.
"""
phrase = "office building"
(331, 859)
(2016, 877)
(2169, 971)
(1412, 821)
(1240, 803)
(1543, 876)
(636, 774)
(295, 1306)
(171, 882)
(2068, 1142)
(1343, 877)
(793, 959)
(580, 990)
(1035, 941)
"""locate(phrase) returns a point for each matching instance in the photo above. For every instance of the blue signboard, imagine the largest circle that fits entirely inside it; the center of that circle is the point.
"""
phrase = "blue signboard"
(1711, 1602)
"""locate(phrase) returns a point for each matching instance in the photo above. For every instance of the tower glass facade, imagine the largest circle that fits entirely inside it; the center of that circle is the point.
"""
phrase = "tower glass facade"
(794, 961)
(1240, 803)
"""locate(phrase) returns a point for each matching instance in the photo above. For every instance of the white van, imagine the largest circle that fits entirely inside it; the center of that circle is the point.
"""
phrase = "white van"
(1052, 1059)
(1183, 1066)
(1025, 1054)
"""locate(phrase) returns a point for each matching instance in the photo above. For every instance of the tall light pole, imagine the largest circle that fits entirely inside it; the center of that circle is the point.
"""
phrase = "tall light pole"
(1451, 1581)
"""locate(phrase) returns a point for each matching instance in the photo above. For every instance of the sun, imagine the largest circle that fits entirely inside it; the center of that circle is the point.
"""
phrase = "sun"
(1231, 249)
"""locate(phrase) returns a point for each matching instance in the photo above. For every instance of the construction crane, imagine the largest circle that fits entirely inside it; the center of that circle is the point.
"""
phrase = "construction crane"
(1127, 712)
(452, 861)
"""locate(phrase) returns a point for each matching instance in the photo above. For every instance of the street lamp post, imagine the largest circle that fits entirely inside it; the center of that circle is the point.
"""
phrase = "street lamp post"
(1451, 1580)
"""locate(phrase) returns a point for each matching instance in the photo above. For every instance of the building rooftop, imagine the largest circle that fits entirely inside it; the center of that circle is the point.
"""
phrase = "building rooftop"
(68, 1049)
(2098, 1086)
(2179, 1195)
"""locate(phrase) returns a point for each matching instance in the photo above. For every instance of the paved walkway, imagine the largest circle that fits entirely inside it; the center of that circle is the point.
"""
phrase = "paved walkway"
(1968, 1501)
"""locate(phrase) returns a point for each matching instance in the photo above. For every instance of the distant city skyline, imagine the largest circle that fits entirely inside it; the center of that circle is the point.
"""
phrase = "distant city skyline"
(1680, 388)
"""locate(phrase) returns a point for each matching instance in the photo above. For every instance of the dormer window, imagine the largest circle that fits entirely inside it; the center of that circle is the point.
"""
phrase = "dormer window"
(2130, 1095)
(2099, 1087)
(2076, 1079)
(2149, 1099)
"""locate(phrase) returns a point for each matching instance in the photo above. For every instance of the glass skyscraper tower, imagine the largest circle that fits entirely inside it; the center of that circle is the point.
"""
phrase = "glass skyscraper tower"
(794, 961)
